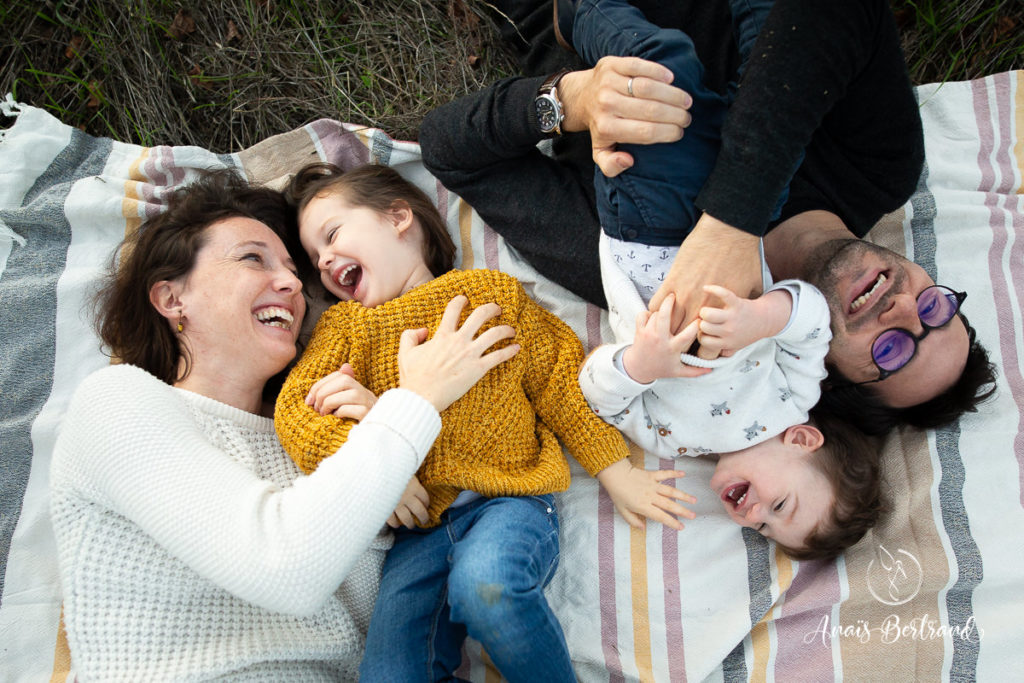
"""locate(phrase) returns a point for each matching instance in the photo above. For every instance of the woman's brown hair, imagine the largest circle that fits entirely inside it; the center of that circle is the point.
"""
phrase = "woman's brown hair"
(165, 248)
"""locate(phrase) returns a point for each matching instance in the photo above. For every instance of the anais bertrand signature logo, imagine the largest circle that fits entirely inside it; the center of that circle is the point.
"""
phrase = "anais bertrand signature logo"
(894, 579)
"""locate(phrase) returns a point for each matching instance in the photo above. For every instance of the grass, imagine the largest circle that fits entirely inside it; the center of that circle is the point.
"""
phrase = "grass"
(954, 41)
(224, 75)
(227, 74)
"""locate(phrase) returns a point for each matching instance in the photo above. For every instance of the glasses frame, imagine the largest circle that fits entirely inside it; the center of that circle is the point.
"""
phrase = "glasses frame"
(882, 372)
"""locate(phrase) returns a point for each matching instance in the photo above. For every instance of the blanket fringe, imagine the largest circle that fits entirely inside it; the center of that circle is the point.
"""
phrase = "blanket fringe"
(9, 107)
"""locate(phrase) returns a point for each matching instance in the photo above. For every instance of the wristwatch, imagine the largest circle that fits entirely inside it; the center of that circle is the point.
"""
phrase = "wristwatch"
(547, 105)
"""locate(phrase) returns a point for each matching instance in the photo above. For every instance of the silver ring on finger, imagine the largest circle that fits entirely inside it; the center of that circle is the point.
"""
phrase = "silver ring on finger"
(629, 86)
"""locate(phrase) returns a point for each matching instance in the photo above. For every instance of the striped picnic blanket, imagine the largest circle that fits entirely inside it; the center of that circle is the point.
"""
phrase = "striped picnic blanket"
(934, 592)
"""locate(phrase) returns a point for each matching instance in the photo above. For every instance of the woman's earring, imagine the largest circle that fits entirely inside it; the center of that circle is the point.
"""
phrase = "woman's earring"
(181, 325)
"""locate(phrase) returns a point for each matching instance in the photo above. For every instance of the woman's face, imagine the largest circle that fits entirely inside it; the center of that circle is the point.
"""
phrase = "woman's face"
(242, 304)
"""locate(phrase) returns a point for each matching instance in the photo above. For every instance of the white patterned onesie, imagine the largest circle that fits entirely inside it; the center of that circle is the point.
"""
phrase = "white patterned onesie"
(755, 394)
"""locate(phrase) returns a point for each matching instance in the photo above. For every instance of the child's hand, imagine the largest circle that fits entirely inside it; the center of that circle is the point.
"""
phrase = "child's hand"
(655, 351)
(340, 394)
(739, 322)
(411, 507)
(639, 493)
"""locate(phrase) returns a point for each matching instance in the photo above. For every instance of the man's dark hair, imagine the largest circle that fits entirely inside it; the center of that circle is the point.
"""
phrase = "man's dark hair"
(862, 405)
(849, 459)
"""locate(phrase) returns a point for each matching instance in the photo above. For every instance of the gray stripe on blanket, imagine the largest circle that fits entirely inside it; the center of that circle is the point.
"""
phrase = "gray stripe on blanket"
(959, 599)
(28, 302)
(759, 579)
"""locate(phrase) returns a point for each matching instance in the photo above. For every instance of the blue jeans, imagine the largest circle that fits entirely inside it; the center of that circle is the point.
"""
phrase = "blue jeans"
(482, 572)
(654, 201)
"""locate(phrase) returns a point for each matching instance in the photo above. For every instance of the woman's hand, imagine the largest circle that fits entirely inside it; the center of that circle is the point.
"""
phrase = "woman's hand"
(598, 100)
(443, 369)
(412, 506)
(655, 352)
(340, 394)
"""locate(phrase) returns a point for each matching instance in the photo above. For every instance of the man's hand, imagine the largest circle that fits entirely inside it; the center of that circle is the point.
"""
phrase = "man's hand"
(411, 507)
(598, 100)
(638, 493)
(655, 351)
(714, 253)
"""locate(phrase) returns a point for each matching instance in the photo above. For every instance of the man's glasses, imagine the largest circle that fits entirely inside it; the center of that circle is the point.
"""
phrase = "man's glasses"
(895, 347)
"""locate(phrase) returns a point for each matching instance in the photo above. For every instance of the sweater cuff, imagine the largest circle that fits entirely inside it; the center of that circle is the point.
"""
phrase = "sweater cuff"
(614, 376)
(410, 415)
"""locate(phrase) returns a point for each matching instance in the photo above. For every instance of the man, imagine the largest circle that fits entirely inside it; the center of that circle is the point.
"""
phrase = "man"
(833, 119)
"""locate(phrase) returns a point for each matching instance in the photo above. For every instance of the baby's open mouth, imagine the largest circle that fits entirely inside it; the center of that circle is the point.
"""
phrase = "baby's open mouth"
(275, 316)
(736, 494)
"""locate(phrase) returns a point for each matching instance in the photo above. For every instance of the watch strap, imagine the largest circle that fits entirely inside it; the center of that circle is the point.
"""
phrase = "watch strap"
(551, 82)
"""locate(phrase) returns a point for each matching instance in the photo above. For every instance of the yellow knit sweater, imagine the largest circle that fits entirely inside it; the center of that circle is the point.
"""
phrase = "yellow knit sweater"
(500, 438)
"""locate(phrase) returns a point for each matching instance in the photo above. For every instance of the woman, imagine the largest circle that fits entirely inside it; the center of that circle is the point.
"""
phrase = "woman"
(191, 547)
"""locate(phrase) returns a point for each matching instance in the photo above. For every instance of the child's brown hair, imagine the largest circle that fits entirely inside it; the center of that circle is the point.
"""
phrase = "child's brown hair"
(850, 461)
(379, 188)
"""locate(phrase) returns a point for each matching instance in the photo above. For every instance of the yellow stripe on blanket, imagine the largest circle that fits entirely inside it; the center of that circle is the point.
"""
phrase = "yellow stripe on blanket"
(763, 638)
(466, 234)
(61, 654)
(638, 572)
(133, 195)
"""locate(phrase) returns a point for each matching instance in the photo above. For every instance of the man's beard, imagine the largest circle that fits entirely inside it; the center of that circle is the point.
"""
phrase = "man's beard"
(836, 259)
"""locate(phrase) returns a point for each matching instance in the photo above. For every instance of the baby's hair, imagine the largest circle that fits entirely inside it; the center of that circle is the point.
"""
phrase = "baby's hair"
(850, 461)
(379, 188)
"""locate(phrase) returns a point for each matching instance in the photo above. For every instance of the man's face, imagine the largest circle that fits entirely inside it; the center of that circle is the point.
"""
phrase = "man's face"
(870, 289)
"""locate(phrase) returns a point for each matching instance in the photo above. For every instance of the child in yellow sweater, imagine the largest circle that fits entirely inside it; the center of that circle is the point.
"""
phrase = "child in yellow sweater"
(488, 543)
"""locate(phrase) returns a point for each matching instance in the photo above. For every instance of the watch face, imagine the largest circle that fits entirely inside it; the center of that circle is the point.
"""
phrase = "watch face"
(548, 114)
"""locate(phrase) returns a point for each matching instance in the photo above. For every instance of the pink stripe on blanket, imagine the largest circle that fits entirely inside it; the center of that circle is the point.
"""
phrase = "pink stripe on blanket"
(808, 606)
(606, 566)
(340, 146)
(163, 174)
(994, 185)
(673, 593)
(593, 339)
(442, 199)
(490, 248)
(605, 544)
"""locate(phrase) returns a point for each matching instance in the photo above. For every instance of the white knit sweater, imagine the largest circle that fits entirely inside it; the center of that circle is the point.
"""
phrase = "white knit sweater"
(191, 547)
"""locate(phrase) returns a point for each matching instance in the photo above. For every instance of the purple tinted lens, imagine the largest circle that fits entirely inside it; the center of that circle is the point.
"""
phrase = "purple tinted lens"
(936, 306)
(893, 349)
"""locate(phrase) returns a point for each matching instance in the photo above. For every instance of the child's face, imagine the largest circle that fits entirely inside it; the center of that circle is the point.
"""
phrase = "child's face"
(362, 254)
(774, 488)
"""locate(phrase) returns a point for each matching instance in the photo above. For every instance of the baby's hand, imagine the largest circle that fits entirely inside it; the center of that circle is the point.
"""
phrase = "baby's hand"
(639, 493)
(411, 507)
(340, 394)
(739, 322)
(656, 352)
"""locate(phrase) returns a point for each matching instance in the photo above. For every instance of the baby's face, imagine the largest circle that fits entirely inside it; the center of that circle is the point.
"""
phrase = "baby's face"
(775, 489)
